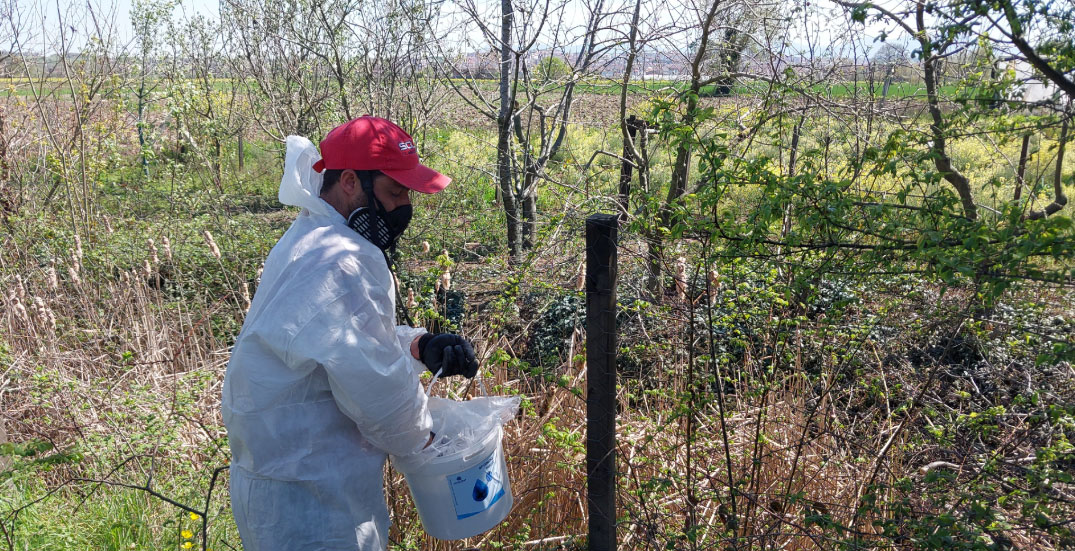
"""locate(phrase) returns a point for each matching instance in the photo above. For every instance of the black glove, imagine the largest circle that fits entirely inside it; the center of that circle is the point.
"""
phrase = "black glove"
(449, 352)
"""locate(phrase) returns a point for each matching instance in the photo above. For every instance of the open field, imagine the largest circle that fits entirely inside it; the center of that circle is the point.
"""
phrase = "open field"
(60, 87)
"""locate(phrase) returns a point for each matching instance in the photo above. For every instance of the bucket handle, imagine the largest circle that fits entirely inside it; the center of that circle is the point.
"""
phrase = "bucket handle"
(429, 388)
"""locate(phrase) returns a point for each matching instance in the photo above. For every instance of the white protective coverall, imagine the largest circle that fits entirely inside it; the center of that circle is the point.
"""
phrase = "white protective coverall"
(321, 384)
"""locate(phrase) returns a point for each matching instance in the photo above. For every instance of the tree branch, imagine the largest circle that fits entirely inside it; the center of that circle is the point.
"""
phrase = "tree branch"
(1059, 199)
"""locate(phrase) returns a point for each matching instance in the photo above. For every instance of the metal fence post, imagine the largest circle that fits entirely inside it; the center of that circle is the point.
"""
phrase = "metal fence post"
(601, 236)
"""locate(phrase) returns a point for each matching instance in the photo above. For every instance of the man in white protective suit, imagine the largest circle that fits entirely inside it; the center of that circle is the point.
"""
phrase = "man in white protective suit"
(322, 383)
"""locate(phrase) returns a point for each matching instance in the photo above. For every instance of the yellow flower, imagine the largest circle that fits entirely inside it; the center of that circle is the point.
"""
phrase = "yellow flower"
(187, 534)
(195, 516)
(187, 545)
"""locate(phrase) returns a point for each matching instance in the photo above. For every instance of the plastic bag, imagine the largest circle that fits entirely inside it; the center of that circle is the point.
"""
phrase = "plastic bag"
(461, 426)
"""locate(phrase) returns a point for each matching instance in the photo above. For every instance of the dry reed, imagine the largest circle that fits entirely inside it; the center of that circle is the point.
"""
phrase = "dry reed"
(119, 352)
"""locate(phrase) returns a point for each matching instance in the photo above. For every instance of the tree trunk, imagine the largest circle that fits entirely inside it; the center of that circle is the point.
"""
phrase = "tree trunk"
(789, 209)
(680, 176)
(141, 128)
(941, 160)
(503, 143)
(507, 192)
(1058, 181)
(529, 224)
(218, 152)
(681, 168)
(633, 124)
(889, 72)
(654, 253)
(5, 172)
(1020, 173)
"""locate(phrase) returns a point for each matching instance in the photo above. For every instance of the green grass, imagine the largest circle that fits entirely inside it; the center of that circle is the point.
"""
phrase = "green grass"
(58, 87)
(898, 90)
(54, 87)
(116, 519)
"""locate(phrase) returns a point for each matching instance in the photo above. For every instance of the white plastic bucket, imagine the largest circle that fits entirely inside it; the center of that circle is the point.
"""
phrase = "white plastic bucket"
(462, 494)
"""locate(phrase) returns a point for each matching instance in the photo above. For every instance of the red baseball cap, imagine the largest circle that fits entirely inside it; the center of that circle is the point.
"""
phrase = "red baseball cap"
(373, 143)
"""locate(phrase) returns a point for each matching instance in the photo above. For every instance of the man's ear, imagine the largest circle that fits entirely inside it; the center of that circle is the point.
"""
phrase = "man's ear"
(349, 181)
(352, 186)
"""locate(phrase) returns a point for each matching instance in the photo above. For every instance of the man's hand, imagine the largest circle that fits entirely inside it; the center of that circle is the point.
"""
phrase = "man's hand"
(451, 353)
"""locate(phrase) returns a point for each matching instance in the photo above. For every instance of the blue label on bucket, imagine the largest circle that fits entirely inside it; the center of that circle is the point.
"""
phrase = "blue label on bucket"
(477, 488)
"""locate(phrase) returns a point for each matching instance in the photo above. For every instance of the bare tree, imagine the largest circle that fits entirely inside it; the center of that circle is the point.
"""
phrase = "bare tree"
(944, 34)
(204, 105)
(388, 42)
(307, 65)
(531, 111)
(70, 74)
(149, 19)
(715, 34)
(8, 35)
(287, 83)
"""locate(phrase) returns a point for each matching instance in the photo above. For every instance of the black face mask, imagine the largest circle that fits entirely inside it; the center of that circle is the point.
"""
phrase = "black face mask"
(381, 227)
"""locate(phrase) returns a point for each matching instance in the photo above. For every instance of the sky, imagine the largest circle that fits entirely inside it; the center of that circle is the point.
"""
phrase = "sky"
(43, 16)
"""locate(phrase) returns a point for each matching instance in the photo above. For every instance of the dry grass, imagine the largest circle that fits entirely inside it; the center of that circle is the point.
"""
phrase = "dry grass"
(101, 359)
(104, 358)
(780, 443)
